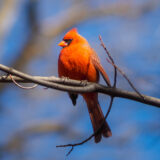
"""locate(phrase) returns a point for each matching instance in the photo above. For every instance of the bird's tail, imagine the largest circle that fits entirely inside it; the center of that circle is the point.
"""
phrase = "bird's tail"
(97, 117)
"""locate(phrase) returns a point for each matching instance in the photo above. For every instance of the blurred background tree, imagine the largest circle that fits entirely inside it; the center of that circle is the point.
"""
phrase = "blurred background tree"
(33, 122)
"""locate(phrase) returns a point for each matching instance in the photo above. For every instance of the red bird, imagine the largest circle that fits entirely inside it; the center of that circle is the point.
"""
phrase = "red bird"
(77, 60)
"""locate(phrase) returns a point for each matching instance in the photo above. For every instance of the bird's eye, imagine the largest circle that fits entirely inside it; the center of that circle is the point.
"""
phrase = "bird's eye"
(68, 41)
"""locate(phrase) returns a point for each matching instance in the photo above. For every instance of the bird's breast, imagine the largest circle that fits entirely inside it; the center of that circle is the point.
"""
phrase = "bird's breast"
(75, 63)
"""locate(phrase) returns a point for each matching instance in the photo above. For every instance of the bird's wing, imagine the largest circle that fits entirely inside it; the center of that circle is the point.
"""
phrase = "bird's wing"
(95, 60)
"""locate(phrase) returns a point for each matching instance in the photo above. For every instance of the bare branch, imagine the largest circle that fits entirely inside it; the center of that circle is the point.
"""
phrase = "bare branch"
(110, 57)
(7, 79)
(20, 86)
(111, 61)
(124, 75)
(78, 86)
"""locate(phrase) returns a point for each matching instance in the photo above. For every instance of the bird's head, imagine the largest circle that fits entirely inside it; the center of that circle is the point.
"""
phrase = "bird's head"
(72, 37)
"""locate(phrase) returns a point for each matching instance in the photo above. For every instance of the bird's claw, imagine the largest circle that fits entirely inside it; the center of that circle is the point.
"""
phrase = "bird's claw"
(84, 82)
(64, 79)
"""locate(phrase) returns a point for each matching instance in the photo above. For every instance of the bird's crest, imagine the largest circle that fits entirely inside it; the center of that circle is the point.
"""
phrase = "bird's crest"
(71, 34)
(74, 30)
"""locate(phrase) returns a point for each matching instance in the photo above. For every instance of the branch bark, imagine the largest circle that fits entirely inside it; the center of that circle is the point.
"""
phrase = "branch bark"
(76, 86)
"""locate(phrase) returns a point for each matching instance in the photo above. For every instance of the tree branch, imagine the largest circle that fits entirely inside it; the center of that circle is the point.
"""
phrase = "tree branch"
(76, 86)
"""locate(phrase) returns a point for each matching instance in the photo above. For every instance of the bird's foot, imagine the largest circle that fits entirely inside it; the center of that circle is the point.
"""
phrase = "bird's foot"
(64, 79)
(84, 82)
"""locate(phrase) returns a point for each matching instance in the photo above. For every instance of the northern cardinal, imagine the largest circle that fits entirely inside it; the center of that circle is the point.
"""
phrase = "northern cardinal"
(77, 60)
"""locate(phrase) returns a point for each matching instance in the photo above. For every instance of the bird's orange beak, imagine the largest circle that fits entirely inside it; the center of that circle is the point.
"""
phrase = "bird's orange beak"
(63, 44)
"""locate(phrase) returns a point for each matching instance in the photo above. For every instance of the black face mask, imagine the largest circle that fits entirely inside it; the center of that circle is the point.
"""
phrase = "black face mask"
(68, 41)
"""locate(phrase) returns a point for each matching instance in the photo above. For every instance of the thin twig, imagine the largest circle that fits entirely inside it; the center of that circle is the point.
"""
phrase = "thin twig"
(91, 136)
(23, 87)
(76, 86)
(110, 57)
(124, 75)
(111, 61)
(115, 71)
